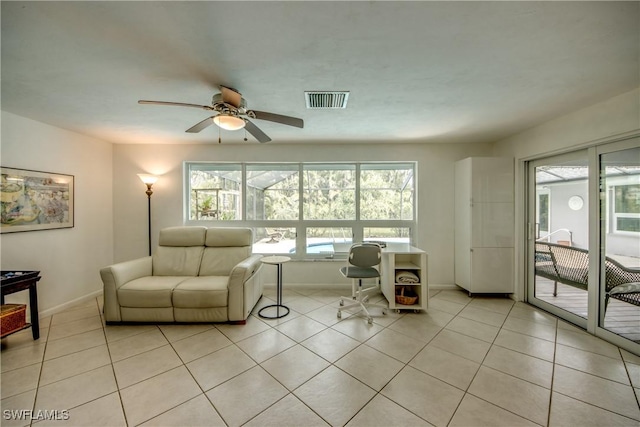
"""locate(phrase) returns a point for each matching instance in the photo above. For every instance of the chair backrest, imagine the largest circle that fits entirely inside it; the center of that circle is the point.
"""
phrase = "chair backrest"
(365, 254)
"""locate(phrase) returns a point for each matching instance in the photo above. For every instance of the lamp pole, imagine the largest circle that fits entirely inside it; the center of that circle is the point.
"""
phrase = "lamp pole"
(148, 180)
(149, 193)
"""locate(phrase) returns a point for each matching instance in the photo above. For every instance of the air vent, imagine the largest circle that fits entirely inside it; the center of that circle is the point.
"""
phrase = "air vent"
(323, 100)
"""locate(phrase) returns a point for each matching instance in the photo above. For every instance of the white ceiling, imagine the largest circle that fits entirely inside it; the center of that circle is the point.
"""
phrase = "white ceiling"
(416, 71)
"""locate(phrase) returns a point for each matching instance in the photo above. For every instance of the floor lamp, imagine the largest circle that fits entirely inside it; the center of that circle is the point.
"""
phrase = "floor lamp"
(148, 180)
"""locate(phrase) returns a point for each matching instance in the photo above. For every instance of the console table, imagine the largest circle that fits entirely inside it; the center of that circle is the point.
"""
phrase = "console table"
(14, 281)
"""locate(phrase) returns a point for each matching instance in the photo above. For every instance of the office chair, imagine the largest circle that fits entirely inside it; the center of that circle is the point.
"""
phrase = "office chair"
(363, 257)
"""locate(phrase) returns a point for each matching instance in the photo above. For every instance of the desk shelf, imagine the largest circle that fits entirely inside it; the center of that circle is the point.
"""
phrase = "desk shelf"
(12, 282)
(408, 259)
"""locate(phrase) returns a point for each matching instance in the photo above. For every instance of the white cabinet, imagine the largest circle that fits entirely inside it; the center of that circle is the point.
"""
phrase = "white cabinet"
(404, 261)
(484, 225)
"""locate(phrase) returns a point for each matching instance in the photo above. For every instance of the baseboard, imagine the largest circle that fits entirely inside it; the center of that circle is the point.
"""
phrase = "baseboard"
(318, 286)
(294, 286)
(444, 287)
(57, 309)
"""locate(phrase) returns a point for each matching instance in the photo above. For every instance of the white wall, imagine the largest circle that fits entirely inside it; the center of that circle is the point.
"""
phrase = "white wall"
(68, 259)
(604, 121)
(435, 193)
(111, 207)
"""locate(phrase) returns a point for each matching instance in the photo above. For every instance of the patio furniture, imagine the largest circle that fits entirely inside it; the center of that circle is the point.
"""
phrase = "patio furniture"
(570, 265)
(275, 234)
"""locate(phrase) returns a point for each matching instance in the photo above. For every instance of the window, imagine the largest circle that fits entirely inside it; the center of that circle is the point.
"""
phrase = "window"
(387, 234)
(329, 192)
(542, 212)
(274, 240)
(272, 192)
(386, 191)
(328, 241)
(306, 210)
(215, 192)
(626, 208)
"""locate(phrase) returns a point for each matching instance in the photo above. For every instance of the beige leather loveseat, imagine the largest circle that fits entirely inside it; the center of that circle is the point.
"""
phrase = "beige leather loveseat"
(196, 274)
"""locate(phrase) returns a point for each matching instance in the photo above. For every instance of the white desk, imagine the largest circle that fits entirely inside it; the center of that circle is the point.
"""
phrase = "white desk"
(404, 257)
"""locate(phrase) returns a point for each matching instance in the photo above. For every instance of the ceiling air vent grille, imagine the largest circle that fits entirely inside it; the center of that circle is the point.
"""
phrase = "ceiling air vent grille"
(323, 100)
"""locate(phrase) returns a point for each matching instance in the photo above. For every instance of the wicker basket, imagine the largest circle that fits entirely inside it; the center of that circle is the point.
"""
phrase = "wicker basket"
(12, 318)
(409, 299)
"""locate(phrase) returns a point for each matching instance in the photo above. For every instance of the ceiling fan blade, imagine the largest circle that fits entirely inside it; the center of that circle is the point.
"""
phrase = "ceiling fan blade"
(256, 132)
(199, 126)
(175, 104)
(279, 118)
(231, 96)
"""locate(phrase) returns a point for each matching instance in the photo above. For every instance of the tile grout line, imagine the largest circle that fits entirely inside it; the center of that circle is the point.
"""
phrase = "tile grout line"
(113, 369)
(274, 326)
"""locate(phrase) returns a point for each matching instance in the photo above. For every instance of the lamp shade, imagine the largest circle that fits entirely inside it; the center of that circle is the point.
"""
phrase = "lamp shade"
(228, 122)
(147, 178)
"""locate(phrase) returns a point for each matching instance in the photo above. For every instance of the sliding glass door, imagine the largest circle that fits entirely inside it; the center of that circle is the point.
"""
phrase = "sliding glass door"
(559, 235)
(583, 245)
(619, 290)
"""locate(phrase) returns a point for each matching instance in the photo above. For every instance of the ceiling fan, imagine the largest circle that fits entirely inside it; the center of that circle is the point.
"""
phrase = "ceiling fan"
(232, 114)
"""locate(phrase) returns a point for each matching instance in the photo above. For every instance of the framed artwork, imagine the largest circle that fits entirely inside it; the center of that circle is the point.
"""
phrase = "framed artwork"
(33, 200)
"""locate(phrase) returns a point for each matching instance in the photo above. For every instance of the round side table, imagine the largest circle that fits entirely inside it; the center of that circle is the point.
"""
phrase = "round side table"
(276, 260)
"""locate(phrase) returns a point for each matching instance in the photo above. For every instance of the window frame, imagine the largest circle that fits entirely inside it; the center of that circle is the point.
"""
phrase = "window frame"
(301, 224)
(615, 215)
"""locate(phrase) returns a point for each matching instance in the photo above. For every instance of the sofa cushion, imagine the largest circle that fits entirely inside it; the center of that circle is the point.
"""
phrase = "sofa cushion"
(226, 237)
(201, 292)
(177, 261)
(148, 291)
(182, 236)
(220, 261)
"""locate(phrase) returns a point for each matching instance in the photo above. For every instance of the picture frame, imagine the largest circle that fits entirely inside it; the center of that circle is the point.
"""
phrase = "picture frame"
(34, 200)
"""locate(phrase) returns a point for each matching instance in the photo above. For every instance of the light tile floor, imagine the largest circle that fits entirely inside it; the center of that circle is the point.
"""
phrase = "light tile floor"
(466, 362)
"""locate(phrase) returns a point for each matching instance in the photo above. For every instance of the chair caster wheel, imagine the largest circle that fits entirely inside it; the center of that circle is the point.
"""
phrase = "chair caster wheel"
(384, 312)
(370, 321)
(339, 315)
(341, 303)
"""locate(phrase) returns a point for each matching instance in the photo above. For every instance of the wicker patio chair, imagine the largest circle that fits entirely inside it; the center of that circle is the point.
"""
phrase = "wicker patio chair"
(570, 265)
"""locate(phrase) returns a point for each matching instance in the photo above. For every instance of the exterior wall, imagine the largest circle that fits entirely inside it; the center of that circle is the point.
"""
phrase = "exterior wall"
(434, 189)
(69, 259)
(562, 216)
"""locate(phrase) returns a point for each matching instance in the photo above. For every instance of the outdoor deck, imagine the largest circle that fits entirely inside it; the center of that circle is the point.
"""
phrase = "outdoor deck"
(621, 318)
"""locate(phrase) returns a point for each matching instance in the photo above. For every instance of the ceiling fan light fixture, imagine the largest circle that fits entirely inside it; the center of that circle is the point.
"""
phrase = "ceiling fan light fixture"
(228, 122)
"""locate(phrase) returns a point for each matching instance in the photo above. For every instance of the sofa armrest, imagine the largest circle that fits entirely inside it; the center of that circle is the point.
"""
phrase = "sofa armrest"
(116, 275)
(239, 275)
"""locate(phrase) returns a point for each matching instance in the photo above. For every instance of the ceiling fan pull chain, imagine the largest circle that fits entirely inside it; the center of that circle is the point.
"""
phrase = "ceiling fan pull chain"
(219, 139)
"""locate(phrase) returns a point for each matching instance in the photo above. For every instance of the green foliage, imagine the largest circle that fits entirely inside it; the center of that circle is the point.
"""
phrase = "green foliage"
(206, 204)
